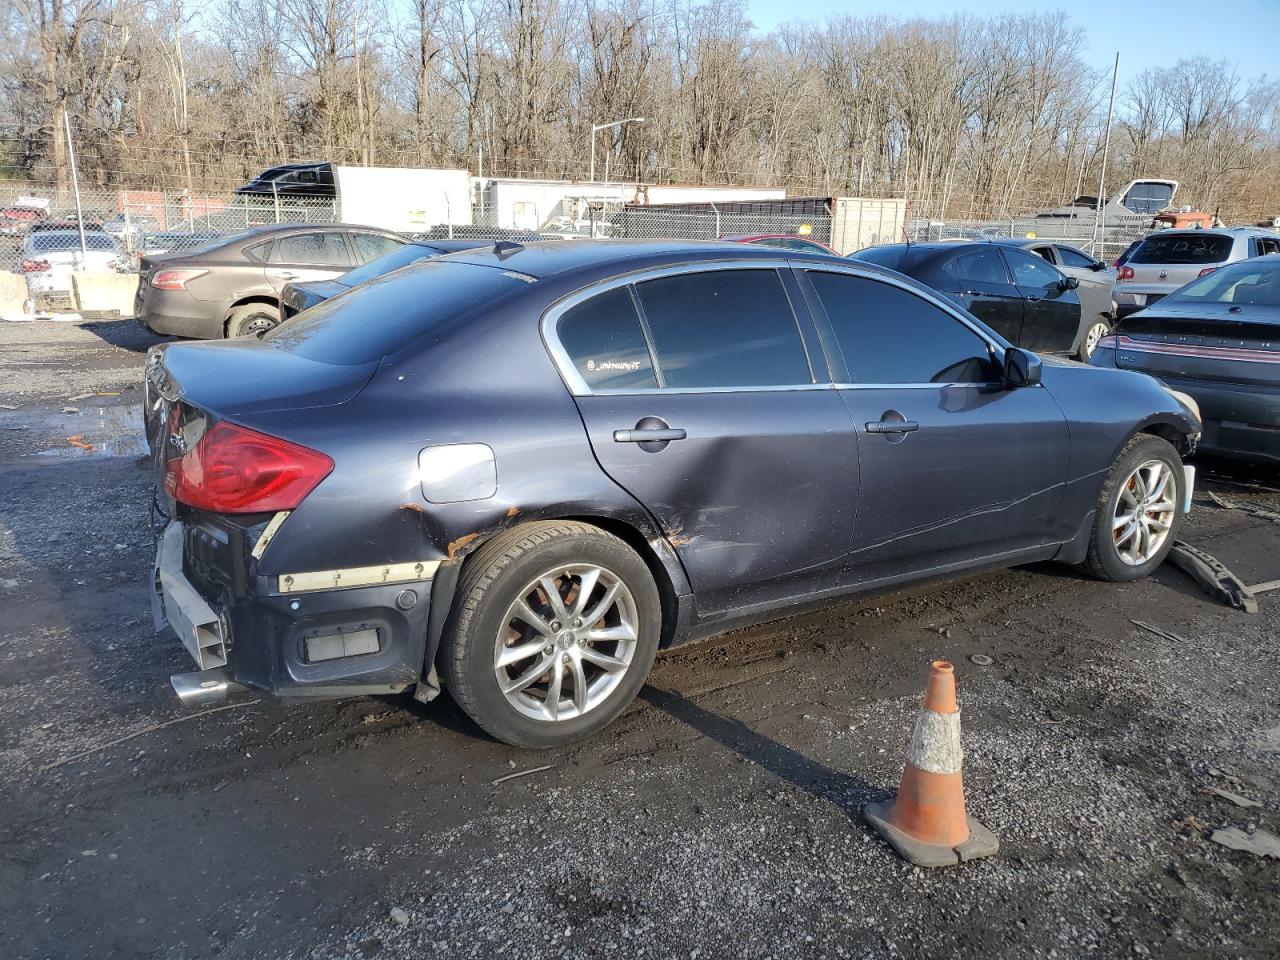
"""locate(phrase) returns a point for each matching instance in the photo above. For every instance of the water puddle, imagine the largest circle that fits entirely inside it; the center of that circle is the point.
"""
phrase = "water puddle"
(90, 431)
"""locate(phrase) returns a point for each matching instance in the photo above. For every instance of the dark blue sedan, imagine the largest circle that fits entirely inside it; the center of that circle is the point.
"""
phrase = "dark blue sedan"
(519, 471)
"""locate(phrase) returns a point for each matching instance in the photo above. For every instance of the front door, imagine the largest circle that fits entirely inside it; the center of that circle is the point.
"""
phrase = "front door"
(316, 255)
(976, 278)
(955, 468)
(1051, 313)
(700, 400)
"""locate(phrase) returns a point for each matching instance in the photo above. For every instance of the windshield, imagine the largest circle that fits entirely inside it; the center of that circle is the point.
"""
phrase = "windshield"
(380, 316)
(1195, 247)
(397, 258)
(1251, 282)
(53, 242)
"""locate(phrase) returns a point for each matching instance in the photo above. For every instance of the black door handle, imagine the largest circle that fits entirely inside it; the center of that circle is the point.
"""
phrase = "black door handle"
(649, 435)
(893, 426)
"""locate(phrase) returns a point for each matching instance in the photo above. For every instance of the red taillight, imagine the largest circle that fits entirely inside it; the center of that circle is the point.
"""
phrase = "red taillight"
(175, 279)
(1110, 340)
(233, 469)
(1205, 272)
(35, 266)
(1125, 273)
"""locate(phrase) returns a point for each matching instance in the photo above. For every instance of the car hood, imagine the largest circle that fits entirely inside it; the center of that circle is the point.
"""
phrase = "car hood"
(231, 378)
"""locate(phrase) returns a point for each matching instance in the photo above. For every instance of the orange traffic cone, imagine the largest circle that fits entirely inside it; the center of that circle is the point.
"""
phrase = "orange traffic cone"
(927, 823)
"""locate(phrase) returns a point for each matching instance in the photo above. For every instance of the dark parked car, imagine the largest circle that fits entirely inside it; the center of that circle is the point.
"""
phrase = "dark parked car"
(520, 471)
(1027, 301)
(231, 286)
(292, 180)
(300, 295)
(1217, 339)
(786, 242)
(1096, 289)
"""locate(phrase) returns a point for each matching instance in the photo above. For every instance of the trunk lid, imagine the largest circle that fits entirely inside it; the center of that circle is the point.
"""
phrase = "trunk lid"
(1203, 341)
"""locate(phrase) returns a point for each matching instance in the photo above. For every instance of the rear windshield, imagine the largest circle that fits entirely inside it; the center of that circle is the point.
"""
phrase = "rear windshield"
(1183, 248)
(379, 317)
(399, 257)
(1248, 283)
(217, 243)
(889, 255)
(52, 242)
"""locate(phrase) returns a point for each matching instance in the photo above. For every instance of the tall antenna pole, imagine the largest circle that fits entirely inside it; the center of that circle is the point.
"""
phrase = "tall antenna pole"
(1106, 148)
(75, 181)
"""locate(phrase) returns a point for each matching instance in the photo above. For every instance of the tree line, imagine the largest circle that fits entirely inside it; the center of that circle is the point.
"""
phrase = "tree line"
(965, 116)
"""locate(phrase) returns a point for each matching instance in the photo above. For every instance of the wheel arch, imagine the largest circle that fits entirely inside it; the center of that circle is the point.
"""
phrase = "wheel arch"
(244, 302)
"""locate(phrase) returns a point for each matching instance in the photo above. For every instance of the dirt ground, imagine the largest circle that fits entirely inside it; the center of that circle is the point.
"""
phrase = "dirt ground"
(719, 817)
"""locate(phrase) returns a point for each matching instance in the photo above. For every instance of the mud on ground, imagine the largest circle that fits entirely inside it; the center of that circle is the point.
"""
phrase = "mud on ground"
(719, 817)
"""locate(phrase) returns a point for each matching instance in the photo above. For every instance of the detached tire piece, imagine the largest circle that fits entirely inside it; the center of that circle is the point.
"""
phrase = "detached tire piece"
(251, 320)
(553, 633)
(1139, 511)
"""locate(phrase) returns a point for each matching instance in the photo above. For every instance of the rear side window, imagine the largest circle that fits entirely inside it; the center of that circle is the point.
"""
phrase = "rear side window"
(381, 316)
(320, 249)
(1183, 248)
(724, 328)
(890, 335)
(980, 265)
(605, 341)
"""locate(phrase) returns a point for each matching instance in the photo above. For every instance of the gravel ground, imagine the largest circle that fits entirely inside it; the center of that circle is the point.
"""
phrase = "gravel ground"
(719, 817)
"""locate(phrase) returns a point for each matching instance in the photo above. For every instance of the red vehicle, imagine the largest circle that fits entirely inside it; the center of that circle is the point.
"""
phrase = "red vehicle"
(18, 217)
(786, 242)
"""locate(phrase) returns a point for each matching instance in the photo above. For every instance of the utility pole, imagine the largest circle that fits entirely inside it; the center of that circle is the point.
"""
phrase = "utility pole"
(1102, 178)
(596, 128)
(75, 182)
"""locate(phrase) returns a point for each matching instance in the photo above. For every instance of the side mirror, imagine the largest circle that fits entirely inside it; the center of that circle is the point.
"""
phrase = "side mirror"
(1068, 283)
(1021, 368)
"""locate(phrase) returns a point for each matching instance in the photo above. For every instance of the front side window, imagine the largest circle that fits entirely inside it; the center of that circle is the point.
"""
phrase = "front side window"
(1071, 257)
(372, 245)
(891, 335)
(319, 249)
(1031, 271)
(980, 265)
(724, 328)
(605, 342)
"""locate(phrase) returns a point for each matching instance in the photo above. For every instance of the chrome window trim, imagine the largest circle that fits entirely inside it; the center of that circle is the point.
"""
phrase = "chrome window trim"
(578, 387)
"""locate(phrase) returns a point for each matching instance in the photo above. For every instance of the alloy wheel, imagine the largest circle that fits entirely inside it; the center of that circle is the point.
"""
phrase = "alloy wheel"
(1093, 337)
(1144, 512)
(566, 642)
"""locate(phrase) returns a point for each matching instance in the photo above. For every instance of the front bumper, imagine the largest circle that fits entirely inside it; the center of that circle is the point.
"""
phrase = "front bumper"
(241, 631)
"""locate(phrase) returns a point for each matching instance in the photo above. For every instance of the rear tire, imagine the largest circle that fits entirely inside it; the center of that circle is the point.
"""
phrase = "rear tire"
(252, 320)
(1139, 511)
(569, 665)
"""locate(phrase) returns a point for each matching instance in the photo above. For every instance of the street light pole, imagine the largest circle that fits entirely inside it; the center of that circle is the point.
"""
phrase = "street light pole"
(596, 128)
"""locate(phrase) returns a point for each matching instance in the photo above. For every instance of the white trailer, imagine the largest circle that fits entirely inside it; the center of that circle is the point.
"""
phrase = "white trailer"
(402, 198)
(512, 203)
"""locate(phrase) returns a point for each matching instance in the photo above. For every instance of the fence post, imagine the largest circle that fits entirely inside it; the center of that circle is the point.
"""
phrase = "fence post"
(275, 193)
(719, 232)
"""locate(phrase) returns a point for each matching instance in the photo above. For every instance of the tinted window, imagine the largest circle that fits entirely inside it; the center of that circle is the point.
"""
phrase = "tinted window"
(383, 315)
(724, 328)
(1071, 257)
(321, 249)
(982, 264)
(889, 255)
(401, 256)
(372, 245)
(1030, 271)
(1183, 248)
(1251, 282)
(1044, 253)
(604, 340)
(890, 335)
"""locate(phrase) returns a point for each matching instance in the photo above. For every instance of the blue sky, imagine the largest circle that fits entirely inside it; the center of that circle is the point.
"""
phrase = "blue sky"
(1147, 33)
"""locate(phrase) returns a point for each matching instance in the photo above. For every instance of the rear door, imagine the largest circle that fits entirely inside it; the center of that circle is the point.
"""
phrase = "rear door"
(706, 397)
(315, 255)
(955, 467)
(977, 278)
(1051, 315)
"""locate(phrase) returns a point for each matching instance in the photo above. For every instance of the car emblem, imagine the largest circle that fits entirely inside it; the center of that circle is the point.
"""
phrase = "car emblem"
(1162, 274)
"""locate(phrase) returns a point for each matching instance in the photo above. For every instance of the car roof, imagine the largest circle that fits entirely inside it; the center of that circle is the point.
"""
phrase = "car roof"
(71, 233)
(552, 257)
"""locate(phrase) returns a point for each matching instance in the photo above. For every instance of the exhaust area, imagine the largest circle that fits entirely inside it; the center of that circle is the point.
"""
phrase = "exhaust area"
(204, 688)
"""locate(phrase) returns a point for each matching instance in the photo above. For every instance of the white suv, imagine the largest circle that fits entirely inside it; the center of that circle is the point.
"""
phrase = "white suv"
(1166, 260)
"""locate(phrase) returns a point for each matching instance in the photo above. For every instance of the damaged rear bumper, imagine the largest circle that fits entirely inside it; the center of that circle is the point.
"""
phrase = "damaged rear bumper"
(289, 638)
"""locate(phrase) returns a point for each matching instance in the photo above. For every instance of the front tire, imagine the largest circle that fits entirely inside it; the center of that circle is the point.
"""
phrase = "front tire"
(1097, 330)
(1139, 511)
(555, 627)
